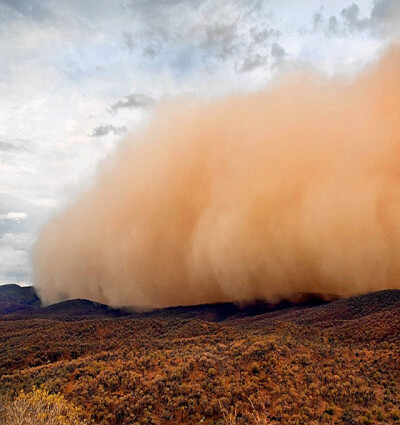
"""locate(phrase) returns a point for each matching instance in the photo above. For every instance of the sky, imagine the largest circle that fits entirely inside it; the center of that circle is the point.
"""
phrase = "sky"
(76, 76)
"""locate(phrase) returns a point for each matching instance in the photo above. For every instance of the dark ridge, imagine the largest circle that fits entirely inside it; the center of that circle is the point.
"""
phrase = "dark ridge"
(333, 314)
(23, 302)
(354, 307)
(15, 292)
(79, 308)
(224, 311)
(15, 298)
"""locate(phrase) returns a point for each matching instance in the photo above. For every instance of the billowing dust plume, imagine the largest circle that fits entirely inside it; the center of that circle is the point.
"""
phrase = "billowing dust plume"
(292, 190)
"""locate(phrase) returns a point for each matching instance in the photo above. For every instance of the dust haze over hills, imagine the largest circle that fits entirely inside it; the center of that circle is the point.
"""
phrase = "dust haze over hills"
(21, 303)
(291, 190)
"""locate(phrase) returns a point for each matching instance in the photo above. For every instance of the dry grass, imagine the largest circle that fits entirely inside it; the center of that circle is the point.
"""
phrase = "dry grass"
(230, 415)
(39, 407)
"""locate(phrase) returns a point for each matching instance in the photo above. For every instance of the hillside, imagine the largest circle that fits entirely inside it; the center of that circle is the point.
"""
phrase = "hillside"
(16, 298)
(23, 302)
(309, 363)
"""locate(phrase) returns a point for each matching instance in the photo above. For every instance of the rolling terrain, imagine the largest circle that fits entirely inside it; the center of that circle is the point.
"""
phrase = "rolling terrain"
(309, 363)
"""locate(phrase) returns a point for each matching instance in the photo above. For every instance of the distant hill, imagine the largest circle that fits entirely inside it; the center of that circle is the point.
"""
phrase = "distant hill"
(372, 317)
(23, 302)
(15, 298)
(78, 309)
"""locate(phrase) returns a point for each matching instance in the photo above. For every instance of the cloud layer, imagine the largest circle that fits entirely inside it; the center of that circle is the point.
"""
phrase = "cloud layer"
(267, 195)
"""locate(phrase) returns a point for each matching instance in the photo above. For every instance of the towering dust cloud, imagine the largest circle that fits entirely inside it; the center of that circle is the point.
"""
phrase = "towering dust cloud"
(292, 190)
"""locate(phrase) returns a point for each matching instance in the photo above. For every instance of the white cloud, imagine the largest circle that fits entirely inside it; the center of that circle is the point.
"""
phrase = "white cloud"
(12, 215)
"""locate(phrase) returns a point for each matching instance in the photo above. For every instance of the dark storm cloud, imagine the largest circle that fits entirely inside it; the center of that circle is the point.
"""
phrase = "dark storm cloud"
(251, 63)
(7, 147)
(35, 9)
(384, 19)
(385, 15)
(351, 17)
(149, 52)
(14, 145)
(317, 20)
(157, 10)
(333, 24)
(133, 101)
(221, 38)
(128, 40)
(260, 35)
(103, 130)
(277, 51)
